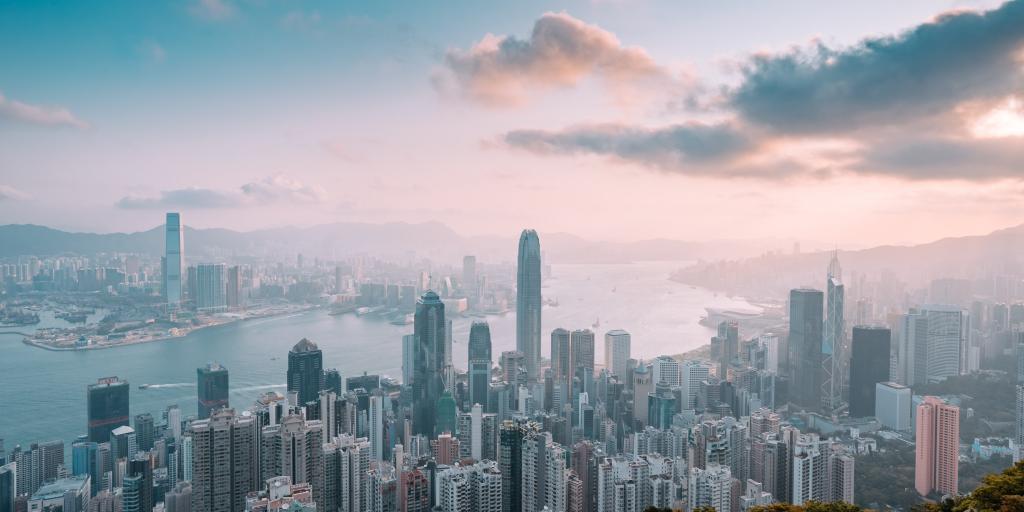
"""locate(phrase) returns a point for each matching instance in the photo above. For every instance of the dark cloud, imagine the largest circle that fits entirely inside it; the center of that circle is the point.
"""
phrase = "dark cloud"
(924, 72)
(561, 51)
(183, 198)
(274, 189)
(945, 158)
(693, 148)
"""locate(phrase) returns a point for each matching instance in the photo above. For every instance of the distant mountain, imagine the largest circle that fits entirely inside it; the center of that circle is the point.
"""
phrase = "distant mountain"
(396, 240)
(999, 253)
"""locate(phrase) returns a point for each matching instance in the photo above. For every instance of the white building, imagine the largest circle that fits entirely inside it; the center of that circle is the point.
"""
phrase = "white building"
(893, 407)
(617, 348)
(710, 487)
(691, 374)
(665, 370)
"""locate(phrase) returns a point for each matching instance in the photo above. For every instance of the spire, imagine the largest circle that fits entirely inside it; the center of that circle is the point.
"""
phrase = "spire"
(835, 271)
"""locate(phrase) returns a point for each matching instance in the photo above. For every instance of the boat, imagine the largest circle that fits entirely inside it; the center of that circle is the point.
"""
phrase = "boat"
(144, 386)
(597, 323)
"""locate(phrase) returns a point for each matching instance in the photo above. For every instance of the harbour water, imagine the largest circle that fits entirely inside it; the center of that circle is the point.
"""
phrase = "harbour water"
(44, 391)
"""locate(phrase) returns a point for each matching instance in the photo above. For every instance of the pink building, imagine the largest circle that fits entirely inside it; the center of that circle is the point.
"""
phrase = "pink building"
(938, 447)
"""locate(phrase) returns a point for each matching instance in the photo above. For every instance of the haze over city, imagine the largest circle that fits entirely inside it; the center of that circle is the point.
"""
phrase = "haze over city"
(596, 255)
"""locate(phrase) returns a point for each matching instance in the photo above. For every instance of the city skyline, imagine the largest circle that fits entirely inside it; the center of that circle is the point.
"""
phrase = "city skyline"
(596, 122)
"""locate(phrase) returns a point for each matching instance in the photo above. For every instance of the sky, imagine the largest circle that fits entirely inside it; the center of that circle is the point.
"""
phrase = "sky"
(857, 123)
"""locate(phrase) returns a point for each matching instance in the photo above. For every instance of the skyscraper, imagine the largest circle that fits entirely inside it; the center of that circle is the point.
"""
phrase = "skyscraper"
(174, 258)
(617, 348)
(728, 342)
(528, 302)
(305, 371)
(223, 455)
(869, 365)
(211, 279)
(560, 355)
(833, 338)
(212, 389)
(805, 347)
(429, 328)
(581, 350)
(8, 486)
(937, 447)
(893, 406)
(291, 448)
(108, 407)
(233, 292)
(479, 363)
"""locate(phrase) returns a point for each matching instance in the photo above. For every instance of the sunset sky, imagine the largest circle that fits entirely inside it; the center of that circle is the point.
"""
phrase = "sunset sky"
(855, 122)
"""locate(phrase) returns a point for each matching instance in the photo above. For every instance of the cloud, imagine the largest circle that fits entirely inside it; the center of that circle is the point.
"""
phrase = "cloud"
(919, 74)
(9, 193)
(561, 52)
(278, 189)
(695, 149)
(945, 158)
(301, 21)
(152, 51)
(38, 114)
(212, 10)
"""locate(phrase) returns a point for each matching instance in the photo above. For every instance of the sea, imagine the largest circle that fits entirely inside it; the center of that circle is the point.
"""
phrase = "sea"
(44, 392)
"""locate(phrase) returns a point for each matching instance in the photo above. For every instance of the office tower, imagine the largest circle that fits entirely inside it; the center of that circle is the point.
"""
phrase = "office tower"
(233, 290)
(665, 370)
(512, 362)
(543, 473)
(805, 347)
(8, 486)
(833, 338)
(332, 381)
(408, 358)
(769, 344)
(710, 487)
(376, 418)
(475, 488)
(223, 461)
(479, 363)
(445, 413)
(617, 349)
(893, 406)
(691, 374)
(528, 302)
(305, 371)
(947, 342)
(107, 402)
(292, 448)
(937, 447)
(510, 462)
(429, 328)
(560, 355)
(778, 456)
(344, 481)
(661, 406)
(145, 431)
(469, 281)
(869, 365)
(138, 485)
(212, 388)
(642, 386)
(210, 286)
(728, 343)
(174, 259)
(581, 350)
(66, 494)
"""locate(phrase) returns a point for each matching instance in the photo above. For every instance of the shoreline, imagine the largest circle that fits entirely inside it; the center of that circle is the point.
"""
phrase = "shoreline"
(28, 340)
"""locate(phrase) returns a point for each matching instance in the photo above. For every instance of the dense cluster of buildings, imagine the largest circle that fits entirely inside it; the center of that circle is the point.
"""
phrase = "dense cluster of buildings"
(761, 419)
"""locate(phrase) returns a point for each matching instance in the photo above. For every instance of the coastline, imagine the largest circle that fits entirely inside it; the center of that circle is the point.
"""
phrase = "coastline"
(28, 340)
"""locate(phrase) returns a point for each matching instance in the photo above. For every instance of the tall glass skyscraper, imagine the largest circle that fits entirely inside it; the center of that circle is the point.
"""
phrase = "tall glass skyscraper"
(429, 328)
(306, 371)
(528, 302)
(479, 363)
(107, 406)
(212, 386)
(174, 258)
(805, 342)
(869, 365)
(833, 339)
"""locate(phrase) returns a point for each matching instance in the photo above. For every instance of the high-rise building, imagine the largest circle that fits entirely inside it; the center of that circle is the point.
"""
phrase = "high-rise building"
(833, 338)
(810, 469)
(1019, 433)
(223, 461)
(512, 362)
(475, 487)
(805, 347)
(543, 473)
(8, 486)
(869, 365)
(345, 482)
(107, 402)
(728, 344)
(617, 350)
(893, 406)
(145, 431)
(429, 366)
(665, 370)
(510, 462)
(305, 371)
(933, 345)
(408, 358)
(710, 487)
(937, 447)
(479, 363)
(691, 374)
(212, 389)
(560, 354)
(469, 280)
(233, 291)
(174, 259)
(138, 485)
(528, 302)
(211, 282)
(292, 448)
(581, 350)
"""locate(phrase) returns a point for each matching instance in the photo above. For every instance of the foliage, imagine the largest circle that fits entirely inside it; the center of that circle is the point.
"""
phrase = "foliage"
(811, 506)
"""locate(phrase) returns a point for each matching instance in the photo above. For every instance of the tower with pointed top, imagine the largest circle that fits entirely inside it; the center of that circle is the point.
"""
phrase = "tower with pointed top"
(429, 362)
(528, 302)
(833, 340)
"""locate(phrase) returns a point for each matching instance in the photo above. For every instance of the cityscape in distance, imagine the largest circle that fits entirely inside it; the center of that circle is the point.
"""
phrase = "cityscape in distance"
(627, 256)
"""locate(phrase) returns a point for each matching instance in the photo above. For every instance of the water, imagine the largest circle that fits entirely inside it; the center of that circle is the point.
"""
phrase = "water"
(45, 390)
